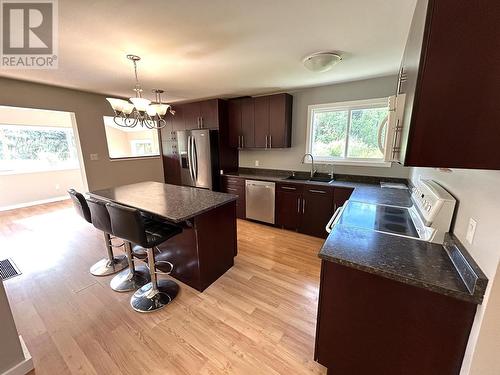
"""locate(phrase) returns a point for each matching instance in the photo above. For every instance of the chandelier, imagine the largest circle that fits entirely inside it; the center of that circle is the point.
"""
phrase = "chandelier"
(140, 111)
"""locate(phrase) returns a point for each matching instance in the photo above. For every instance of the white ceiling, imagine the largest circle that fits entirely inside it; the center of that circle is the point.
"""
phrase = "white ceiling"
(222, 48)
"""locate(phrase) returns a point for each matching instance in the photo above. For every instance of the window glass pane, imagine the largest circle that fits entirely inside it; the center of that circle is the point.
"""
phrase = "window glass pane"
(329, 133)
(130, 142)
(363, 133)
(28, 148)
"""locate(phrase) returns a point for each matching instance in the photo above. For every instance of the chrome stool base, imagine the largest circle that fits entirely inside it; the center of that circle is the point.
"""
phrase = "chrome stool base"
(107, 267)
(146, 299)
(128, 280)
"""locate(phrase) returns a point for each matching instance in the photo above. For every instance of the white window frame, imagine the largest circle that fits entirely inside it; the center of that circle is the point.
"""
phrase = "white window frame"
(349, 106)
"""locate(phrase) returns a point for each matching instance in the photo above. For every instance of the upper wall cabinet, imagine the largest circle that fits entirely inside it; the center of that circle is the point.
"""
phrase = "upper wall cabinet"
(261, 122)
(450, 74)
(198, 115)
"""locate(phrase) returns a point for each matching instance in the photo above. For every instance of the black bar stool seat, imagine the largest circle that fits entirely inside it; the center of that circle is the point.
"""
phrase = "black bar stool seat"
(100, 219)
(111, 264)
(129, 224)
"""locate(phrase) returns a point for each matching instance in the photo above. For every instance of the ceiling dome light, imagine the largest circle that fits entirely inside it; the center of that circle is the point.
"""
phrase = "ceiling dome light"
(321, 61)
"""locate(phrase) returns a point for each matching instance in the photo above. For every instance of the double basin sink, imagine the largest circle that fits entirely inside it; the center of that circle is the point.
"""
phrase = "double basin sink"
(327, 180)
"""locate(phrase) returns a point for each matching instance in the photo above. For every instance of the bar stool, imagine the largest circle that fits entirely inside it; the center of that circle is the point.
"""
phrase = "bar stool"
(128, 223)
(112, 264)
(101, 221)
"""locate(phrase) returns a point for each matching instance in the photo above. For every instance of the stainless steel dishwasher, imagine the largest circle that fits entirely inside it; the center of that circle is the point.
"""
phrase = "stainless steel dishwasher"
(260, 200)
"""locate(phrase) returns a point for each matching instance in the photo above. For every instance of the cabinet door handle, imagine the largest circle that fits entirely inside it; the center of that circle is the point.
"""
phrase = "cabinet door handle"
(201, 122)
(298, 205)
(288, 188)
(266, 141)
(303, 205)
(231, 189)
(242, 141)
(317, 191)
(270, 141)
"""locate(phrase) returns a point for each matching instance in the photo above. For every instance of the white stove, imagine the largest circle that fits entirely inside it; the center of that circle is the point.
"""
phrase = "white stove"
(428, 219)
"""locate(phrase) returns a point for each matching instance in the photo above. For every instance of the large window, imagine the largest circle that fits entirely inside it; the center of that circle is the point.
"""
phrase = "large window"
(36, 148)
(348, 132)
(130, 142)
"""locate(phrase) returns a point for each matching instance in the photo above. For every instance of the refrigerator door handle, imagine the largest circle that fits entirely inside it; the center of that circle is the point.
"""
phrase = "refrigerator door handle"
(195, 160)
(190, 158)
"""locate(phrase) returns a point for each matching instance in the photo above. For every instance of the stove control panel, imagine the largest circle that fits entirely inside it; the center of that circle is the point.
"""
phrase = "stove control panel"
(434, 203)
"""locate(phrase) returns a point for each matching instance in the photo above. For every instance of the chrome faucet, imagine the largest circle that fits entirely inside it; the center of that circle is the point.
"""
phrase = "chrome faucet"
(313, 171)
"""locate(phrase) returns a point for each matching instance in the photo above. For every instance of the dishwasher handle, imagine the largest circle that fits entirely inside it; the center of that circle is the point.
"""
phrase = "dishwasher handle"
(334, 219)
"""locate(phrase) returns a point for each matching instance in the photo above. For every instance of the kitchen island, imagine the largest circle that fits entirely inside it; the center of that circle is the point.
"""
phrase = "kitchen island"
(206, 248)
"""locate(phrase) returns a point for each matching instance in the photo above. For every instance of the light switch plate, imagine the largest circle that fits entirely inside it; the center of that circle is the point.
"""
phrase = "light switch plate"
(471, 229)
(257, 163)
(94, 156)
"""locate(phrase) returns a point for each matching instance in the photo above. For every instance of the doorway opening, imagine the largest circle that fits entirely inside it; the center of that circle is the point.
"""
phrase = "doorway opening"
(40, 157)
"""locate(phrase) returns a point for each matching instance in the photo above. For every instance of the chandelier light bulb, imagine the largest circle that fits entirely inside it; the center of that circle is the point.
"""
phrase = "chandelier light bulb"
(140, 104)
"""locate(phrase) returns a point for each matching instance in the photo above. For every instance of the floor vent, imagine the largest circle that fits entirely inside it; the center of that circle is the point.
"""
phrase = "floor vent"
(8, 269)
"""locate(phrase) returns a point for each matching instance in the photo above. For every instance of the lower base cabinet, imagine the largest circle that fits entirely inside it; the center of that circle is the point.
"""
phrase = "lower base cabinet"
(368, 324)
(307, 208)
(236, 186)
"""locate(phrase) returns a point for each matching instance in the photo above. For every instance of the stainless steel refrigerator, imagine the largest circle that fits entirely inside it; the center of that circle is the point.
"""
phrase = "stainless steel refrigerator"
(198, 155)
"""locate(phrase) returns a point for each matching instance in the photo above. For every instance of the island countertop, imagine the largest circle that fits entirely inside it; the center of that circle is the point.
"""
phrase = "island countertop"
(172, 202)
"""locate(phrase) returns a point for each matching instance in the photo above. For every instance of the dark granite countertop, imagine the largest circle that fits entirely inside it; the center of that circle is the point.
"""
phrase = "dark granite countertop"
(172, 202)
(419, 263)
(363, 191)
(411, 261)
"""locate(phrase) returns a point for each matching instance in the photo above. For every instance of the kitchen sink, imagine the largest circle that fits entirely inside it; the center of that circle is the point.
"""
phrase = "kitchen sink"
(322, 179)
(313, 179)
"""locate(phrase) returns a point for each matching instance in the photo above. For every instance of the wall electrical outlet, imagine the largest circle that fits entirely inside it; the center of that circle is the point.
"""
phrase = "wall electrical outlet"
(94, 156)
(471, 229)
(257, 163)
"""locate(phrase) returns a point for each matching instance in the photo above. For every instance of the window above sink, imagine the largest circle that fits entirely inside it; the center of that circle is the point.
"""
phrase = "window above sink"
(348, 132)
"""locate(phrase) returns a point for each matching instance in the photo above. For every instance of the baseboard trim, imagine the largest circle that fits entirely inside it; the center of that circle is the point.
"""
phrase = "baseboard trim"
(25, 366)
(34, 203)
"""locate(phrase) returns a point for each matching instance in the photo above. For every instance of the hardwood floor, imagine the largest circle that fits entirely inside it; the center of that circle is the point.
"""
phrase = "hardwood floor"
(259, 318)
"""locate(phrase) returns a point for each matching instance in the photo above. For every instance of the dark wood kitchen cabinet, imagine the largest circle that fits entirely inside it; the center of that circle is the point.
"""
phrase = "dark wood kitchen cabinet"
(450, 74)
(273, 121)
(236, 185)
(368, 324)
(280, 121)
(202, 115)
(288, 205)
(241, 123)
(261, 119)
(307, 208)
(234, 122)
(317, 209)
(247, 123)
(340, 196)
(261, 122)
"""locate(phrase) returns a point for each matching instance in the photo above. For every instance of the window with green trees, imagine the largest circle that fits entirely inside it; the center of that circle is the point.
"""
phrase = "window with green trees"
(347, 131)
(36, 148)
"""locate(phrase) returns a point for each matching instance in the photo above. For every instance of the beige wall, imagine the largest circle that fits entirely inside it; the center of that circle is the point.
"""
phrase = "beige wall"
(89, 110)
(290, 159)
(24, 188)
(11, 352)
(477, 194)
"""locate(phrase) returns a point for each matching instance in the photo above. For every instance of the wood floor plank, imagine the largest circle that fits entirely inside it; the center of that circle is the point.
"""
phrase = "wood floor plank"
(258, 318)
